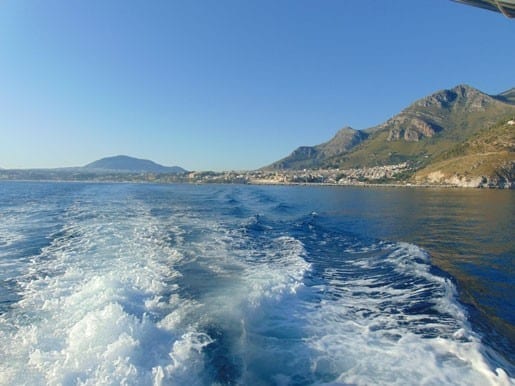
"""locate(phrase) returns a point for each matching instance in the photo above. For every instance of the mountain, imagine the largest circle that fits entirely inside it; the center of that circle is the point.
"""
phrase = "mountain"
(419, 134)
(507, 96)
(428, 127)
(306, 157)
(123, 163)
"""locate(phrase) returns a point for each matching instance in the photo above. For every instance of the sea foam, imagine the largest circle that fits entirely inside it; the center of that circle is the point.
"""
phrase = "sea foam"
(179, 288)
(95, 306)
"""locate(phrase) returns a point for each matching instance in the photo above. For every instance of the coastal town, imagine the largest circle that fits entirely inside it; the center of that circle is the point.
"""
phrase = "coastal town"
(356, 176)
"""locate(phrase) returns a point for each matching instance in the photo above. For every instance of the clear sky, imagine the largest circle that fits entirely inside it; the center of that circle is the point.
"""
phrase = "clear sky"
(227, 84)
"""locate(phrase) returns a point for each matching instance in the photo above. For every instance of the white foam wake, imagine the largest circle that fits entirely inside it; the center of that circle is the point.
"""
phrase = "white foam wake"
(175, 292)
(380, 331)
(97, 307)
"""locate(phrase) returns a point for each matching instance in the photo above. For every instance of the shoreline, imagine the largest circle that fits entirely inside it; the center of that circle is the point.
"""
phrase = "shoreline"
(401, 175)
(258, 183)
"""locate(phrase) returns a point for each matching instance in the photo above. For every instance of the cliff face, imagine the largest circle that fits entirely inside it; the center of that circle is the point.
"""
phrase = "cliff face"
(411, 129)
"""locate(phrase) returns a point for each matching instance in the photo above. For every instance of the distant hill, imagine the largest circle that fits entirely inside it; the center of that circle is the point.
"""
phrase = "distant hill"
(123, 163)
(420, 134)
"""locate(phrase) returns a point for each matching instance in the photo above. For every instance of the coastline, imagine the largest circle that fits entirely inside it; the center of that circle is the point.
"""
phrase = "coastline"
(400, 175)
(407, 185)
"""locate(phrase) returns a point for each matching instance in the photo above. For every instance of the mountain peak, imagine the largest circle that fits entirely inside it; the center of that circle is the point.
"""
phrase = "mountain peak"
(464, 88)
(308, 156)
(461, 94)
(466, 91)
(430, 115)
(507, 96)
(345, 132)
(345, 139)
(124, 163)
(346, 129)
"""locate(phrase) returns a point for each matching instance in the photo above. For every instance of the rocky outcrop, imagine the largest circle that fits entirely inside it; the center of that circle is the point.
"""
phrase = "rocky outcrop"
(462, 181)
(484, 172)
(411, 129)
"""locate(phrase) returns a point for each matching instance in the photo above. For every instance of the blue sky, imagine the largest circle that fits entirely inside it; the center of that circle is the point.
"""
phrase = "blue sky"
(227, 84)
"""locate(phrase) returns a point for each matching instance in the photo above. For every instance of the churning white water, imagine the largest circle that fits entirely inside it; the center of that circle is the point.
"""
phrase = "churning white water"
(144, 285)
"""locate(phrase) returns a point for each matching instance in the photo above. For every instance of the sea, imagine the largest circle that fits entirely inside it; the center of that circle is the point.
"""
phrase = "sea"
(142, 284)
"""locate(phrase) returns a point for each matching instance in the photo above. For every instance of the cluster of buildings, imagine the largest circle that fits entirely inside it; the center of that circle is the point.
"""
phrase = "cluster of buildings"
(357, 176)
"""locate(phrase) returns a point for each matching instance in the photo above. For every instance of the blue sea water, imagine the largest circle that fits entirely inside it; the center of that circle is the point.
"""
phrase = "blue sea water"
(139, 284)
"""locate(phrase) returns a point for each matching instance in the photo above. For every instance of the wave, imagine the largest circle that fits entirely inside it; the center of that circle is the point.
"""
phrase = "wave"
(93, 309)
(123, 299)
(388, 319)
(156, 290)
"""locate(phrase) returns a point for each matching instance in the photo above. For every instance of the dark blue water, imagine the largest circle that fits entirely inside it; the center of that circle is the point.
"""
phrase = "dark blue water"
(248, 285)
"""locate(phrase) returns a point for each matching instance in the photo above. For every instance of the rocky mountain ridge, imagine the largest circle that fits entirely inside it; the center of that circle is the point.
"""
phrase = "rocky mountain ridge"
(420, 134)
(437, 112)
